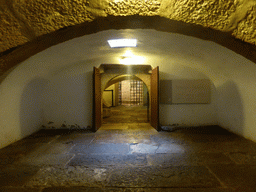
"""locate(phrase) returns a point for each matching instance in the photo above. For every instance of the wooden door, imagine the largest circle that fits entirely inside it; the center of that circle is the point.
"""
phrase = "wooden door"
(154, 100)
(96, 99)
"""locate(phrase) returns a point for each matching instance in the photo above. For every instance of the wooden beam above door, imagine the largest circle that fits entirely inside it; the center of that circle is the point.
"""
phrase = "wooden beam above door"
(126, 69)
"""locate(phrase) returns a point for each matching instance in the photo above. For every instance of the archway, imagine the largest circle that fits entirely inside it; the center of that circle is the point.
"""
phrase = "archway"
(125, 100)
(106, 75)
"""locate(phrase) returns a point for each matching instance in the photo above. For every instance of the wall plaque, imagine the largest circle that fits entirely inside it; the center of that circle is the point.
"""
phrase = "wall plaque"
(196, 91)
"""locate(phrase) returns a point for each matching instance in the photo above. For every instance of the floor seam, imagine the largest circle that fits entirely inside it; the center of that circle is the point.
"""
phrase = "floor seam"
(92, 140)
(55, 138)
(231, 158)
(70, 160)
(158, 145)
(221, 183)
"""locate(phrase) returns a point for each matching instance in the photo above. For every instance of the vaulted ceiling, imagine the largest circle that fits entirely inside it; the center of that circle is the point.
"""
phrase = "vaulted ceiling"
(30, 26)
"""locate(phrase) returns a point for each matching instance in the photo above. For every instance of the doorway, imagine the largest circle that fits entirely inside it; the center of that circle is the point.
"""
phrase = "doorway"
(131, 102)
(108, 74)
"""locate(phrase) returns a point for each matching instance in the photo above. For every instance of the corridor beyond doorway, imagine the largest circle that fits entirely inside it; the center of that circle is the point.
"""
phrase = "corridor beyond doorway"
(127, 114)
(132, 105)
(109, 74)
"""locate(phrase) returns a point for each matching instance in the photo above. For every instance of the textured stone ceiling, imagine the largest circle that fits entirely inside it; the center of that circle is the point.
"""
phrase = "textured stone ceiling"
(24, 20)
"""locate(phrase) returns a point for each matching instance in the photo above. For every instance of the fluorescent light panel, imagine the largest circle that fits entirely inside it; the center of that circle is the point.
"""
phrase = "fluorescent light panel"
(114, 43)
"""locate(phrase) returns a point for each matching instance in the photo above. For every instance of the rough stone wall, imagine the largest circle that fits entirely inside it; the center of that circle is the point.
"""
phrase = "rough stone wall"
(236, 16)
(133, 7)
(11, 29)
(246, 28)
(23, 20)
(209, 13)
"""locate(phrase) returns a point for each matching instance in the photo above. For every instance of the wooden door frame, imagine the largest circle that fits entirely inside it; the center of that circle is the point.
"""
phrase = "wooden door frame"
(154, 99)
(97, 99)
(97, 104)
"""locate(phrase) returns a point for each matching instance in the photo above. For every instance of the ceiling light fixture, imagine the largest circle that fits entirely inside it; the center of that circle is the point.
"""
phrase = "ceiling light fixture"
(114, 43)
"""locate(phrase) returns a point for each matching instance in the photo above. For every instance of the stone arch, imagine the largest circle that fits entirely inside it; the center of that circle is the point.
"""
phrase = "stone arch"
(119, 78)
(13, 57)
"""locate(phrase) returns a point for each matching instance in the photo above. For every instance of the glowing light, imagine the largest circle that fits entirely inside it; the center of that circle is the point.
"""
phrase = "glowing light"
(127, 54)
(129, 58)
(114, 43)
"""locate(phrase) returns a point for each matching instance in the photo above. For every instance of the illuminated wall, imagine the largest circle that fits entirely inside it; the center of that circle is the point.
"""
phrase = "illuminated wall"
(55, 85)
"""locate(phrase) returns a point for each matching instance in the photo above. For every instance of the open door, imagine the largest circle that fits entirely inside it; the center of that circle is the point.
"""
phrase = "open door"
(154, 100)
(96, 99)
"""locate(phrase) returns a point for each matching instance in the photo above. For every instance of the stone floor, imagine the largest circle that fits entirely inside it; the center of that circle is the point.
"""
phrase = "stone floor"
(127, 114)
(130, 158)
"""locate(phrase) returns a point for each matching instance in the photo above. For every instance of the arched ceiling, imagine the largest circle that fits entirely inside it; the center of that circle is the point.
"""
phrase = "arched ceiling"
(30, 26)
(177, 56)
(14, 57)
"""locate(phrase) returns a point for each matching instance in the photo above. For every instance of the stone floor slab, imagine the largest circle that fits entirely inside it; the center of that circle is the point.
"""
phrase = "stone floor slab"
(173, 159)
(82, 189)
(22, 149)
(224, 147)
(69, 176)
(168, 138)
(111, 148)
(171, 148)
(7, 160)
(103, 139)
(143, 148)
(139, 126)
(46, 159)
(58, 148)
(204, 138)
(17, 175)
(133, 139)
(237, 176)
(243, 158)
(75, 139)
(214, 158)
(107, 131)
(42, 136)
(20, 189)
(73, 189)
(116, 138)
(174, 177)
(138, 132)
(114, 126)
(206, 130)
(109, 159)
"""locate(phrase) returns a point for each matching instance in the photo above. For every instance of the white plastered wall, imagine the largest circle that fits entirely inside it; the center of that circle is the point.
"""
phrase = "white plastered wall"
(55, 85)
